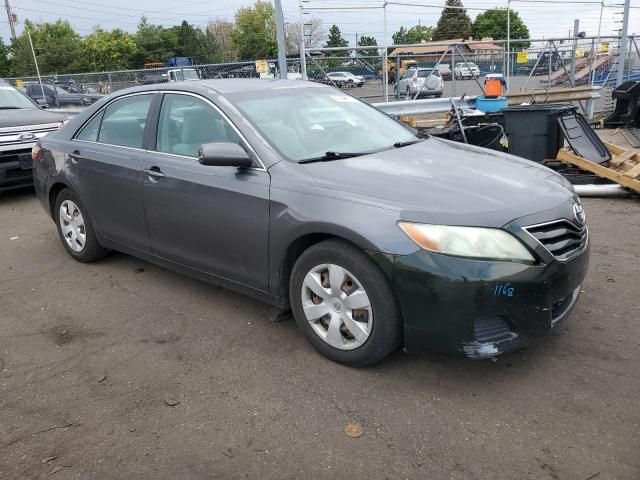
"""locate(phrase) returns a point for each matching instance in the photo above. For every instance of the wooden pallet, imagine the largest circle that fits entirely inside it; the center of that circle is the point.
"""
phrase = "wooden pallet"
(623, 168)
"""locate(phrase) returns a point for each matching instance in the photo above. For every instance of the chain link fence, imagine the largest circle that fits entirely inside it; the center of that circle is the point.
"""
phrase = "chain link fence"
(411, 71)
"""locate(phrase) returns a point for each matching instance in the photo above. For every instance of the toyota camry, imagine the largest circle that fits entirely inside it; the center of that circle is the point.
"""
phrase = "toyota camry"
(303, 196)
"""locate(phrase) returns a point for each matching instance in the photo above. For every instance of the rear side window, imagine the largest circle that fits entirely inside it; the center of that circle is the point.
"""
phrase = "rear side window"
(124, 120)
(187, 122)
(89, 132)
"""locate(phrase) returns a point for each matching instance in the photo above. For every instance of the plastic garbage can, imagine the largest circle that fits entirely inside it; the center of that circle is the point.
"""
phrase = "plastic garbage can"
(533, 130)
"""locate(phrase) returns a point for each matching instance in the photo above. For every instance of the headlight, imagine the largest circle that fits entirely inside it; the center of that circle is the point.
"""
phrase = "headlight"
(489, 243)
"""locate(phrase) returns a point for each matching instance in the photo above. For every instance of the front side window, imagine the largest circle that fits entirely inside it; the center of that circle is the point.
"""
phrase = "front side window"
(124, 120)
(306, 123)
(187, 122)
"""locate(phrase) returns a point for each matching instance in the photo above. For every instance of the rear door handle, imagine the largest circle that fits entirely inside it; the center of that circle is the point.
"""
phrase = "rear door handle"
(154, 172)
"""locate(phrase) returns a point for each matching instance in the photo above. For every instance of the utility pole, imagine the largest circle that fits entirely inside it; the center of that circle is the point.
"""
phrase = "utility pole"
(11, 19)
(303, 53)
(622, 51)
(282, 52)
(576, 30)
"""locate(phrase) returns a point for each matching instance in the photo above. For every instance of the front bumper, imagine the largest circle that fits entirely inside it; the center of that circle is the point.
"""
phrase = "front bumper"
(479, 308)
(15, 169)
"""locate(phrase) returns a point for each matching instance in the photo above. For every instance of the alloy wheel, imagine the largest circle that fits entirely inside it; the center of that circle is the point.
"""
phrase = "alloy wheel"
(72, 225)
(337, 306)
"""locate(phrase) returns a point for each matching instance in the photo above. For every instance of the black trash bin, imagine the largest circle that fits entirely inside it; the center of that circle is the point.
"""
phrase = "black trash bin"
(533, 130)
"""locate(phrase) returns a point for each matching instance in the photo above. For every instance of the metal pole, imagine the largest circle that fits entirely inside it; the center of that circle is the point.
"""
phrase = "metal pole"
(385, 73)
(508, 43)
(282, 52)
(33, 52)
(10, 17)
(303, 56)
(593, 73)
(576, 29)
(453, 73)
(623, 42)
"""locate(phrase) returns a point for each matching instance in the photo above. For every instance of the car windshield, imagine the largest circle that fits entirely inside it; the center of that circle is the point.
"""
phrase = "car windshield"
(187, 74)
(306, 123)
(11, 98)
(426, 73)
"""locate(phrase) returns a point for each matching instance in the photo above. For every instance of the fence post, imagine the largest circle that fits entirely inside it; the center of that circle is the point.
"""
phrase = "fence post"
(574, 49)
(453, 72)
(397, 73)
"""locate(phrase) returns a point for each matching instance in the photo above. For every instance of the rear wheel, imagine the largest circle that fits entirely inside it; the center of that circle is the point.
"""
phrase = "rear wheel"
(75, 228)
(343, 304)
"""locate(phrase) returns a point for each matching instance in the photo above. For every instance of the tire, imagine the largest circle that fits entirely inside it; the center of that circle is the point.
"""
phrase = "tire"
(378, 329)
(88, 250)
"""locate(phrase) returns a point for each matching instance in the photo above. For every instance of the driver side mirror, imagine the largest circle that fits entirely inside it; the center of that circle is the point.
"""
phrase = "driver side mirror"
(224, 154)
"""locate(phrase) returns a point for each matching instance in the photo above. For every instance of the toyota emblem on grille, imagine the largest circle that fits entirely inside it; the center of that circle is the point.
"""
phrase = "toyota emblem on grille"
(578, 212)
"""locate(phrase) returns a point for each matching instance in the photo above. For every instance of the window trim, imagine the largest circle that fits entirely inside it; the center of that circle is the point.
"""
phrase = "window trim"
(156, 123)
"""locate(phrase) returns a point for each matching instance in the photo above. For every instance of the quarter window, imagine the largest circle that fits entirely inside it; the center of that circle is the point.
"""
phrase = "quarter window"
(187, 122)
(124, 120)
(90, 131)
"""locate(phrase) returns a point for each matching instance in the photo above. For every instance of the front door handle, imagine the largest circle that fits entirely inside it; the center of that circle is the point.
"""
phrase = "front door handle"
(154, 172)
(75, 156)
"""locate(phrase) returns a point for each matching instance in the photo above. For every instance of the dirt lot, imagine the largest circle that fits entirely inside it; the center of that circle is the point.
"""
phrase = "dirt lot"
(120, 369)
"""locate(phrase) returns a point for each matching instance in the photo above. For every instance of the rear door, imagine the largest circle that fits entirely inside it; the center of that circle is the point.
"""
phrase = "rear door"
(215, 219)
(107, 155)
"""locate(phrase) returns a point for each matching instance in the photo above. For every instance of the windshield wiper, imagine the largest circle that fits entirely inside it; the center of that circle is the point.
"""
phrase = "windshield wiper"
(406, 144)
(328, 156)
(10, 108)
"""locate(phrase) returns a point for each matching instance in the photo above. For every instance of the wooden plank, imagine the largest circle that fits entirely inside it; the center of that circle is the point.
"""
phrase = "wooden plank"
(633, 172)
(623, 157)
(569, 157)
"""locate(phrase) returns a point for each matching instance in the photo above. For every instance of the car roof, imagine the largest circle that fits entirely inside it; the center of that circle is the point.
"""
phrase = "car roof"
(227, 85)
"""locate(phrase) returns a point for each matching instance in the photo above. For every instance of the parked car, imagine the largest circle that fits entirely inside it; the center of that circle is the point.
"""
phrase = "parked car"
(466, 70)
(22, 122)
(445, 71)
(308, 198)
(56, 96)
(425, 82)
(345, 79)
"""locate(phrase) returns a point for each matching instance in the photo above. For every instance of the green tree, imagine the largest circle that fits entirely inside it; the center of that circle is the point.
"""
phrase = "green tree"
(57, 48)
(367, 41)
(151, 44)
(400, 37)
(254, 35)
(335, 39)
(5, 62)
(190, 42)
(493, 23)
(419, 33)
(454, 22)
(102, 50)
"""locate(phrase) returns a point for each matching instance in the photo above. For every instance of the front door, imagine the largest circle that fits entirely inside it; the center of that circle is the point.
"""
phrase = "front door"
(215, 219)
(107, 158)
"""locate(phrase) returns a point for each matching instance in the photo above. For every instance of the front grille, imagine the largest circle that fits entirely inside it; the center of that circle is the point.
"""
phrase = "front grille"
(562, 238)
(490, 330)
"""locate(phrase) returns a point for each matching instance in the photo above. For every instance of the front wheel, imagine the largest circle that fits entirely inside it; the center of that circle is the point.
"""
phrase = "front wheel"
(343, 304)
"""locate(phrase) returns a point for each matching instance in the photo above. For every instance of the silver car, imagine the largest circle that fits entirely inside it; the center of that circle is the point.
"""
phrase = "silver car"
(423, 82)
(346, 79)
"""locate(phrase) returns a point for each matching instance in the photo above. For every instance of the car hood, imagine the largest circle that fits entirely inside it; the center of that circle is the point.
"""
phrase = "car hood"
(443, 182)
(28, 116)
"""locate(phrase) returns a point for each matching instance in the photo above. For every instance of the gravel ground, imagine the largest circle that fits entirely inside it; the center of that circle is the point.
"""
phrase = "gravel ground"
(121, 369)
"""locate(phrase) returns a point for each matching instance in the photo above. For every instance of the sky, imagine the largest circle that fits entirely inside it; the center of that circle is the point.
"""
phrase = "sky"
(545, 20)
